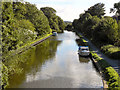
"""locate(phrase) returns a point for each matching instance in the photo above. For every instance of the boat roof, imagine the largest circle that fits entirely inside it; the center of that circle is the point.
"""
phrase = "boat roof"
(83, 46)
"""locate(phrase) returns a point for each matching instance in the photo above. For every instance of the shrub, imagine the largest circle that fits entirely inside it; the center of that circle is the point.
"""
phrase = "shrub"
(112, 77)
(111, 51)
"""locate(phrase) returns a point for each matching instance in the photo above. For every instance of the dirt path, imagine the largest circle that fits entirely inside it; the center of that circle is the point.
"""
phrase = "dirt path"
(114, 63)
(40, 41)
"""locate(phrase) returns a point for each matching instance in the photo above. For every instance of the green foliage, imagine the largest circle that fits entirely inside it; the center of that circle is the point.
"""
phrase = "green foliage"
(101, 30)
(108, 28)
(112, 77)
(21, 63)
(19, 10)
(55, 22)
(49, 12)
(38, 19)
(110, 74)
(111, 51)
(91, 23)
(69, 27)
(97, 10)
(7, 24)
(21, 24)
(26, 24)
(75, 24)
(118, 41)
(4, 76)
(95, 56)
(61, 23)
(119, 30)
(104, 30)
(116, 8)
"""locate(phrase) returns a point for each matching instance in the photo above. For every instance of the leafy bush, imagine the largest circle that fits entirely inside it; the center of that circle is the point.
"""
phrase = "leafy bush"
(95, 56)
(112, 77)
(111, 51)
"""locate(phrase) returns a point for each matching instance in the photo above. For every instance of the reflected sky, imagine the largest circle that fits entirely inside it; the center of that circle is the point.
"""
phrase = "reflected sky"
(64, 70)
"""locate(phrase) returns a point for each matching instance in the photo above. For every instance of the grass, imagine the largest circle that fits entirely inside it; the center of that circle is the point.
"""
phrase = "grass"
(111, 51)
(84, 40)
(112, 77)
(24, 47)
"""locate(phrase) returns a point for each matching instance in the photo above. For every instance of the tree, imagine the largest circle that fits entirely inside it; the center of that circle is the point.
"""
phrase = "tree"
(19, 10)
(90, 25)
(55, 22)
(68, 27)
(7, 23)
(15, 32)
(97, 10)
(83, 20)
(49, 12)
(75, 23)
(107, 30)
(118, 41)
(38, 19)
(116, 8)
(61, 23)
(20, 24)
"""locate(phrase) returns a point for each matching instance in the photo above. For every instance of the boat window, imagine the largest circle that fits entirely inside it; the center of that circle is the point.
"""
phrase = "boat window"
(85, 49)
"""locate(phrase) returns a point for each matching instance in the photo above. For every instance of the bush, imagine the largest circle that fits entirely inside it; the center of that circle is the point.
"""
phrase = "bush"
(110, 74)
(95, 56)
(111, 51)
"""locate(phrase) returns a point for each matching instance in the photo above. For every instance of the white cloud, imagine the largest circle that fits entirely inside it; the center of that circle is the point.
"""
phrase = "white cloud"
(67, 13)
(69, 10)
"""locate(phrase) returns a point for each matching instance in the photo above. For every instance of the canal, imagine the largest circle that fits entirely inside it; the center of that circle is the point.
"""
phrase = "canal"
(55, 63)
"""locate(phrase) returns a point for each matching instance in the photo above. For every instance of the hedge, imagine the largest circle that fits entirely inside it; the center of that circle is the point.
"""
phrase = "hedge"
(112, 77)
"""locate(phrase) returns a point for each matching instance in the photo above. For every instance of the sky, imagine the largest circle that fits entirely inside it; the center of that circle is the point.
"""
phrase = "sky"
(69, 10)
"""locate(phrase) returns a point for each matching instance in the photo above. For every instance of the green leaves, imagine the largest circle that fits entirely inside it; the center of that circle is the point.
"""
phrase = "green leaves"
(26, 24)
(116, 8)
(55, 22)
(97, 10)
(21, 24)
(109, 28)
(38, 19)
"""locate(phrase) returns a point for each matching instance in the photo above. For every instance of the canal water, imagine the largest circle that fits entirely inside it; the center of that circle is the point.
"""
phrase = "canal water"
(55, 63)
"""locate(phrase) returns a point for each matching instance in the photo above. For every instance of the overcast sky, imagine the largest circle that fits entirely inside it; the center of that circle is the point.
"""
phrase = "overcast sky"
(69, 10)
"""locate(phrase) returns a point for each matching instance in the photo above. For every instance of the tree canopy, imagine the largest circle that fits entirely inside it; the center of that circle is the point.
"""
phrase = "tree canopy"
(55, 22)
(23, 23)
(116, 8)
(94, 25)
(97, 10)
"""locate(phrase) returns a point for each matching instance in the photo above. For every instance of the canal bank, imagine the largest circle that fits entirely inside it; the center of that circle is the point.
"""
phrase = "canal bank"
(26, 46)
(111, 78)
(14, 67)
(55, 63)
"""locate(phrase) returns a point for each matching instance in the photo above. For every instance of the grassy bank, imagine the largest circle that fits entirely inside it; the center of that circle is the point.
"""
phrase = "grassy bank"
(111, 51)
(110, 75)
(15, 63)
(15, 66)
(23, 48)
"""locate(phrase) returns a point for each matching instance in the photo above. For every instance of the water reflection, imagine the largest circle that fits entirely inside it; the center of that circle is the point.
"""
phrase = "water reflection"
(84, 59)
(55, 64)
(34, 58)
